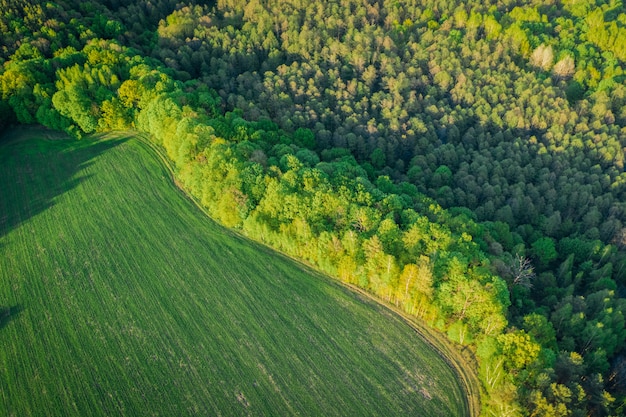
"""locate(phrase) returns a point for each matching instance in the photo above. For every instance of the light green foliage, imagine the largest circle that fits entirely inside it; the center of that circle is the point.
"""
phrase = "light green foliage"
(73, 103)
(519, 350)
(541, 330)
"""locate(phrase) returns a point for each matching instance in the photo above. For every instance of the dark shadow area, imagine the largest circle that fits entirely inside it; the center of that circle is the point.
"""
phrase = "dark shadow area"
(36, 166)
(8, 314)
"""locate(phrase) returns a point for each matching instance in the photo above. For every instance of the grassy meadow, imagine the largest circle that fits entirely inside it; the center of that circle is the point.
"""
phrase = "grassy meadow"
(121, 298)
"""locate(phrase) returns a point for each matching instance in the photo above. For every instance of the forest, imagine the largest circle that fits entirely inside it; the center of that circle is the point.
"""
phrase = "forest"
(463, 161)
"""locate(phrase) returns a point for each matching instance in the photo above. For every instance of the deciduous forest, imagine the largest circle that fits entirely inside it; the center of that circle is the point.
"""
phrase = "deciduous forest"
(462, 161)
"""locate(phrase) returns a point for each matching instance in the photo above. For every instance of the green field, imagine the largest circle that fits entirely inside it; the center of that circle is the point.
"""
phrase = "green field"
(121, 298)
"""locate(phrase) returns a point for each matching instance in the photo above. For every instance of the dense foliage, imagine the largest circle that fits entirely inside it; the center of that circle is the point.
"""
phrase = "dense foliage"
(462, 161)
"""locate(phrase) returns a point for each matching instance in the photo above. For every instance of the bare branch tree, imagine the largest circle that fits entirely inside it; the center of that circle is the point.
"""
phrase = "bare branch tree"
(523, 271)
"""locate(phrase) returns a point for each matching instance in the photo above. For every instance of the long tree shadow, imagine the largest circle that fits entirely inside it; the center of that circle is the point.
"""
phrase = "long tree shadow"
(8, 314)
(36, 166)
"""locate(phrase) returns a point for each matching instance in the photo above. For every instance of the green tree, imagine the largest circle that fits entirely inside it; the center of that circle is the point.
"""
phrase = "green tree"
(543, 249)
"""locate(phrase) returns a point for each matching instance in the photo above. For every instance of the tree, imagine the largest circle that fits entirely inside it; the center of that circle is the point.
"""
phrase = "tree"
(522, 271)
(542, 57)
(416, 282)
(564, 69)
(519, 349)
(74, 104)
(544, 250)
(541, 330)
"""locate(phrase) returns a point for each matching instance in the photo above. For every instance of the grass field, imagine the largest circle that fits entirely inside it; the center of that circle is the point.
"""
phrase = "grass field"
(122, 299)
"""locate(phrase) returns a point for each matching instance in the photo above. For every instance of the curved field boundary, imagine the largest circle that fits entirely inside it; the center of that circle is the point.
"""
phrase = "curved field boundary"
(462, 363)
(126, 300)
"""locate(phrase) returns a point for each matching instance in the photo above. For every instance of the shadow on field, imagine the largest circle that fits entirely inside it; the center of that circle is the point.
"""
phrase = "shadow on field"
(8, 314)
(35, 169)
